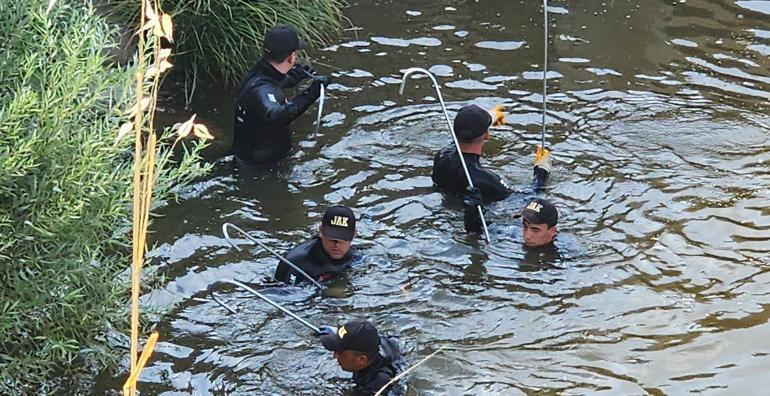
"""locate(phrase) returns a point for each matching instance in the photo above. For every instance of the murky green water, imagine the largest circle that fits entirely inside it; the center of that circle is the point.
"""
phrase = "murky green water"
(659, 126)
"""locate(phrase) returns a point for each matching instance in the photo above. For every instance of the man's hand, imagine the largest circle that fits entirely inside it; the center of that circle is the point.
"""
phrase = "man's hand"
(471, 218)
(473, 197)
(325, 330)
(314, 90)
(298, 73)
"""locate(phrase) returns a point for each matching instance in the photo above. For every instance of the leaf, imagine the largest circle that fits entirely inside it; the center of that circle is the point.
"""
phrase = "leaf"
(151, 72)
(165, 65)
(145, 103)
(164, 53)
(202, 132)
(186, 127)
(124, 130)
(165, 28)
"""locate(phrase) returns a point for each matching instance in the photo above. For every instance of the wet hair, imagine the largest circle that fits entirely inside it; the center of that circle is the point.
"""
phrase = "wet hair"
(276, 57)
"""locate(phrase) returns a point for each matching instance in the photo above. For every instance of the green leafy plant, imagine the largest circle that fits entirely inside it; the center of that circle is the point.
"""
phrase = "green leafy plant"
(66, 188)
(223, 38)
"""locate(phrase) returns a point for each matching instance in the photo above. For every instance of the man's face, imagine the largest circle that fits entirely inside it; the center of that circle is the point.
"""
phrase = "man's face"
(335, 248)
(351, 361)
(537, 234)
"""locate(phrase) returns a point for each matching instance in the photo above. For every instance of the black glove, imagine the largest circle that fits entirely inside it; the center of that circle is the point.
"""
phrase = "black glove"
(471, 218)
(314, 90)
(473, 197)
(296, 74)
(325, 330)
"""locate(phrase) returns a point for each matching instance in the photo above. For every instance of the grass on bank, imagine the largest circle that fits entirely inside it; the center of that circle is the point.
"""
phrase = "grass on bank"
(65, 190)
(222, 39)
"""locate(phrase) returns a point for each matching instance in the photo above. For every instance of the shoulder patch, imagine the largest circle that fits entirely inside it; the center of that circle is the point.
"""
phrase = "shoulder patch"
(271, 98)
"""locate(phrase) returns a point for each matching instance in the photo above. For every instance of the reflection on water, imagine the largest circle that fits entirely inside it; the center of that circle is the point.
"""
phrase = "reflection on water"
(658, 123)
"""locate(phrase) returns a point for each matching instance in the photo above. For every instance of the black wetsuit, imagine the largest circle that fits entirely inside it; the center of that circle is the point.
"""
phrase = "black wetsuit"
(263, 114)
(311, 257)
(448, 175)
(387, 365)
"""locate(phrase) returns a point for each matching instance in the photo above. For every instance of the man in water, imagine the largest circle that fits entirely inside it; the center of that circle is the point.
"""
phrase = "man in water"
(539, 218)
(262, 111)
(372, 359)
(471, 127)
(325, 256)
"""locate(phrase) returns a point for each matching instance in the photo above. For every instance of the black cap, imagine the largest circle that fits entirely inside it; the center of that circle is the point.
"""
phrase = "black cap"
(357, 335)
(540, 211)
(471, 122)
(339, 222)
(282, 39)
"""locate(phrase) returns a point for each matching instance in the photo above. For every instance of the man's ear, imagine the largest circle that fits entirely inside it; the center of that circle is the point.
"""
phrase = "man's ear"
(486, 135)
(320, 230)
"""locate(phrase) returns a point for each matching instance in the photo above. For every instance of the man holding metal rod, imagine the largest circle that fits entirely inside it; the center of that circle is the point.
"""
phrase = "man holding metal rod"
(471, 127)
(373, 359)
(262, 110)
(326, 256)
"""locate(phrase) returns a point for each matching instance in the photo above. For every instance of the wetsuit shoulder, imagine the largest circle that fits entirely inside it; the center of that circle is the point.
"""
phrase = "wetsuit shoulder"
(491, 185)
(300, 256)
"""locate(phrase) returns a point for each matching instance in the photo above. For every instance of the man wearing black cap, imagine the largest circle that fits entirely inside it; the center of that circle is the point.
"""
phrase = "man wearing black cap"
(471, 127)
(262, 111)
(372, 359)
(539, 218)
(325, 256)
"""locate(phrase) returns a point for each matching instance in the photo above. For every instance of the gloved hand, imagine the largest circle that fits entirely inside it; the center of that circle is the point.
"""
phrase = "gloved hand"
(473, 197)
(314, 90)
(471, 219)
(542, 166)
(325, 330)
(498, 117)
(297, 74)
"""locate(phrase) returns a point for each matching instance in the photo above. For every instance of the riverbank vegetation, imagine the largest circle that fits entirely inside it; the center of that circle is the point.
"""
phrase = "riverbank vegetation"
(222, 39)
(66, 190)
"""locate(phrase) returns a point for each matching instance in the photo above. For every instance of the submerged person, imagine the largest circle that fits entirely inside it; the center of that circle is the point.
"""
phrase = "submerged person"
(539, 221)
(263, 113)
(327, 255)
(471, 128)
(373, 360)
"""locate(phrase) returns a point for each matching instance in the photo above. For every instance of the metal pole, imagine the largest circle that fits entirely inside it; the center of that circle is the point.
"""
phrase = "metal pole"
(275, 304)
(321, 101)
(263, 246)
(545, 66)
(412, 70)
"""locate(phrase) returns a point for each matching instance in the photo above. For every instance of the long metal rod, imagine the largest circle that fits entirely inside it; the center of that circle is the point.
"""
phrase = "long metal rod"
(263, 246)
(275, 304)
(545, 66)
(412, 70)
(321, 101)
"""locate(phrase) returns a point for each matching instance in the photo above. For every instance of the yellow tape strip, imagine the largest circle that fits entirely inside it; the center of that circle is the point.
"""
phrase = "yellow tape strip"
(130, 386)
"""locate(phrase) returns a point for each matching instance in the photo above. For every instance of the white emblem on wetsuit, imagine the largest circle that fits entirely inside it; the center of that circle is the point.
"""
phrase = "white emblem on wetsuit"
(339, 221)
(271, 97)
(292, 279)
(534, 206)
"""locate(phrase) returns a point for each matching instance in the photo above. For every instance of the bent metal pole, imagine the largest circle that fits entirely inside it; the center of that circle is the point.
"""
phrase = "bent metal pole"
(321, 101)
(263, 246)
(413, 70)
(273, 303)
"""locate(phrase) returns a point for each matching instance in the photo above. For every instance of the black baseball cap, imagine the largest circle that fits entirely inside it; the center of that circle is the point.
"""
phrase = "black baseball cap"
(282, 39)
(357, 335)
(471, 122)
(339, 222)
(540, 211)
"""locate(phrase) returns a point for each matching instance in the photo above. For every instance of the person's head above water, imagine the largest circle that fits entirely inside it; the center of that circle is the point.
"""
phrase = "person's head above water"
(471, 128)
(356, 345)
(539, 219)
(280, 47)
(337, 230)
